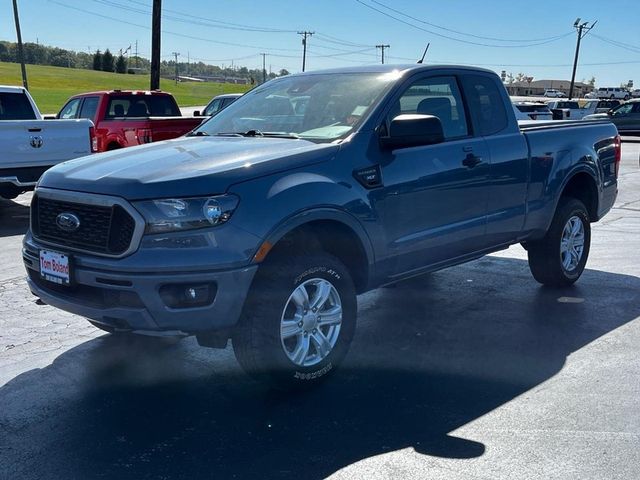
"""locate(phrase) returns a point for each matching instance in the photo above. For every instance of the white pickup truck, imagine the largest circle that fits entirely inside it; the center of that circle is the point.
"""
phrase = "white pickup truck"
(29, 145)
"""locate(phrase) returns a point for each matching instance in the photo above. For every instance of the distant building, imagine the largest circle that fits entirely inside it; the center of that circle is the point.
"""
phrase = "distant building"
(537, 88)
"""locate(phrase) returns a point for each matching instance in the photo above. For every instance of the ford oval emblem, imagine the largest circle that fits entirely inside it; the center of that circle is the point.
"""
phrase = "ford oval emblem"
(68, 222)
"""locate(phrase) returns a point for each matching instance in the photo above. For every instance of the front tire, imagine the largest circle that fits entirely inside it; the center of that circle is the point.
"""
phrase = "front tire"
(299, 320)
(559, 258)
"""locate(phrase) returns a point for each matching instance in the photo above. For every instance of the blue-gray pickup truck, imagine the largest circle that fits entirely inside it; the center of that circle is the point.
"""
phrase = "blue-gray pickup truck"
(264, 223)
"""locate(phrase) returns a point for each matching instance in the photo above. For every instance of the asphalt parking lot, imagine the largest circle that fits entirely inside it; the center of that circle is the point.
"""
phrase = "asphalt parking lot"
(471, 372)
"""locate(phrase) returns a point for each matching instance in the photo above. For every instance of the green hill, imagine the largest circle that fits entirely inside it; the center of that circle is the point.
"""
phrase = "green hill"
(52, 86)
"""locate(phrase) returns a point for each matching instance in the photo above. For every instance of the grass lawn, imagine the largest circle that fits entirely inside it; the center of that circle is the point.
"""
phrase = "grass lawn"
(52, 86)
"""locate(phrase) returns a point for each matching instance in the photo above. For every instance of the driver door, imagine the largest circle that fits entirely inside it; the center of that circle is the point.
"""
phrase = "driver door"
(435, 196)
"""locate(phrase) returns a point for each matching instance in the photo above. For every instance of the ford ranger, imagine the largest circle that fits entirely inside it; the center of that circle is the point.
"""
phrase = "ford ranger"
(29, 145)
(263, 224)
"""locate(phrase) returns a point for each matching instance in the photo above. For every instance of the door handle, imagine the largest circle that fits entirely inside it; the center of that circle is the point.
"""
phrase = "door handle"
(471, 161)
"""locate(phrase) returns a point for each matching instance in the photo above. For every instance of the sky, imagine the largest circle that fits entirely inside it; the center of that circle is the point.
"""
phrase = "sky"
(535, 38)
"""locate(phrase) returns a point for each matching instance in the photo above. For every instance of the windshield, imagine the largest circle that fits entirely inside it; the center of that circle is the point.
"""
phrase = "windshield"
(318, 107)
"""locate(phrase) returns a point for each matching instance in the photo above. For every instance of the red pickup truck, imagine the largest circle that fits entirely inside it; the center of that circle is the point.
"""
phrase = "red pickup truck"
(124, 118)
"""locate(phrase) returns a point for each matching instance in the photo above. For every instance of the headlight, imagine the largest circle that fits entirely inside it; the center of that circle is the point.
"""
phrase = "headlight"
(178, 214)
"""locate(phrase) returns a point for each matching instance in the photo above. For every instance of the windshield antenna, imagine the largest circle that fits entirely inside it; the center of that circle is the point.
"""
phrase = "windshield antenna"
(424, 54)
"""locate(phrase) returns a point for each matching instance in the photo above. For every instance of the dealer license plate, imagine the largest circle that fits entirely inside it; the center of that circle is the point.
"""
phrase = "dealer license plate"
(55, 267)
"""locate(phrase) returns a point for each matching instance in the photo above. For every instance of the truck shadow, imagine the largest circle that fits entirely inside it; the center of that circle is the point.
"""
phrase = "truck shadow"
(430, 356)
(14, 218)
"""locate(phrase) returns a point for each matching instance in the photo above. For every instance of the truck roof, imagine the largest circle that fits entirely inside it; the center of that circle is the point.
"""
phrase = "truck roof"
(11, 89)
(401, 68)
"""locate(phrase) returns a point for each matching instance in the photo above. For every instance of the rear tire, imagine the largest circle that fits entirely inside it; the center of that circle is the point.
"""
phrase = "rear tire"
(559, 258)
(299, 320)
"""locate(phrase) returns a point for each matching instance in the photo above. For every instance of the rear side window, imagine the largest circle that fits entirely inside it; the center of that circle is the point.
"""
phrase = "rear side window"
(485, 104)
(136, 106)
(15, 106)
(89, 108)
(437, 96)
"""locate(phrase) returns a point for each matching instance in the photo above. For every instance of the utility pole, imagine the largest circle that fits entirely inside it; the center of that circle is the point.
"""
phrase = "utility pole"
(264, 70)
(176, 54)
(155, 44)
(137, 58)
(304, 34)
(20, 49)
(582, 29)
(382, 47)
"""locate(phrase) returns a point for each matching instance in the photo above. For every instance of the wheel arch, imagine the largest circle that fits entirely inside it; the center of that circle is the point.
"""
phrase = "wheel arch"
(330, 230)
(582, 186)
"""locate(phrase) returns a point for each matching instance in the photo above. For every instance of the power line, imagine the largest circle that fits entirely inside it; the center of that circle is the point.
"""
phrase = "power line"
(465, 33)
(459, 39)
(192, 37)
(618, 44)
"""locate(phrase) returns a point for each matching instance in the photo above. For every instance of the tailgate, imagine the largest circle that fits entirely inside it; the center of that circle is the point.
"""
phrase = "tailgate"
(31, 143)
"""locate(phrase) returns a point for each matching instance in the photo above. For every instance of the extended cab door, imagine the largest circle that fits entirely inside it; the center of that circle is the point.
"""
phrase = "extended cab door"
(509, 154)
(435, 196)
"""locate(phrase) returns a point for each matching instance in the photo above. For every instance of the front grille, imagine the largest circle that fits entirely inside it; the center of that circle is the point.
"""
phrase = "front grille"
(105, 230)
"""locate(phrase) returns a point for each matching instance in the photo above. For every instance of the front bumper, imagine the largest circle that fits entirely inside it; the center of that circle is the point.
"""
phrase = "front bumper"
(129, 300)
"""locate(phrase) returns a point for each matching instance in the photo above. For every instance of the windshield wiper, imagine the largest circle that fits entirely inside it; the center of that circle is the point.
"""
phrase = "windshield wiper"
(199, 133)
(258, 133)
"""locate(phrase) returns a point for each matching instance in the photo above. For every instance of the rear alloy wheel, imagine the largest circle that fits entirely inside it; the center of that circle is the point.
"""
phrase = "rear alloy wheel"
(298, 322)
(559, 258)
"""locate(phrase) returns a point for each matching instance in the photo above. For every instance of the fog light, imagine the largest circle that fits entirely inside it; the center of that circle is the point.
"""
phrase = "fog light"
(188, 295)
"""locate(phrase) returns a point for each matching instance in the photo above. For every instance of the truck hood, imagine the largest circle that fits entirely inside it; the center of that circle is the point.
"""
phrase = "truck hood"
(187, 166)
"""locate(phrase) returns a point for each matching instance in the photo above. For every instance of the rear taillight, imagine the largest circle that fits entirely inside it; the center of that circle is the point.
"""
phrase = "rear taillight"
(144, 135)
(617, 147)
(93, 139)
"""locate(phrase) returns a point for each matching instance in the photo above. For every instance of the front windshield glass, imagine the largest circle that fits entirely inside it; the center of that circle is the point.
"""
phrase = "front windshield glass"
(317, 107)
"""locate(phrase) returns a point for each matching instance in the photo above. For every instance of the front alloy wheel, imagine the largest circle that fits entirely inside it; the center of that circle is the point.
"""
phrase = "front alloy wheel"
(298, 321)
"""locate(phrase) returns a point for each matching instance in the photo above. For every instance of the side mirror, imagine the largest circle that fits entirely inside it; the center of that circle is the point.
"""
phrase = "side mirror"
(413, 130)
(196, 113)
(50, 117)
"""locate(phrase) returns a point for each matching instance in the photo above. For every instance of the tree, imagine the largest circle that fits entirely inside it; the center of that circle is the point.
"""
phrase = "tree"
(283, 72)
(521, 77)
(592, 82)
(97, 60)
(107, 61)
(121, 64)
(510, 78)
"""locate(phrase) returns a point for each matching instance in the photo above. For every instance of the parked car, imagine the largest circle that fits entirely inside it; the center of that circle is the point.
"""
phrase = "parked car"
(604, 106)
(264, 224)
(636, 93)
(572, 110)
(591, 95)
(552, 93)
(532, 111)
(613, 92)
(217, 104)
(30, 145)
(124, 118)
(625, 117)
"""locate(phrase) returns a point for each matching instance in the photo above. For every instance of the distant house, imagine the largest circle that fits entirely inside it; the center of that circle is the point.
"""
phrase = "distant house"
(537, 88)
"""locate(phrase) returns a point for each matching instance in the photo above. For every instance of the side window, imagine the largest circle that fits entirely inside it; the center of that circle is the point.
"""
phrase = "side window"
(213, 107)
(70, 110)
(623, 110)
(485, 103)
(437, 96)
(89, 108)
